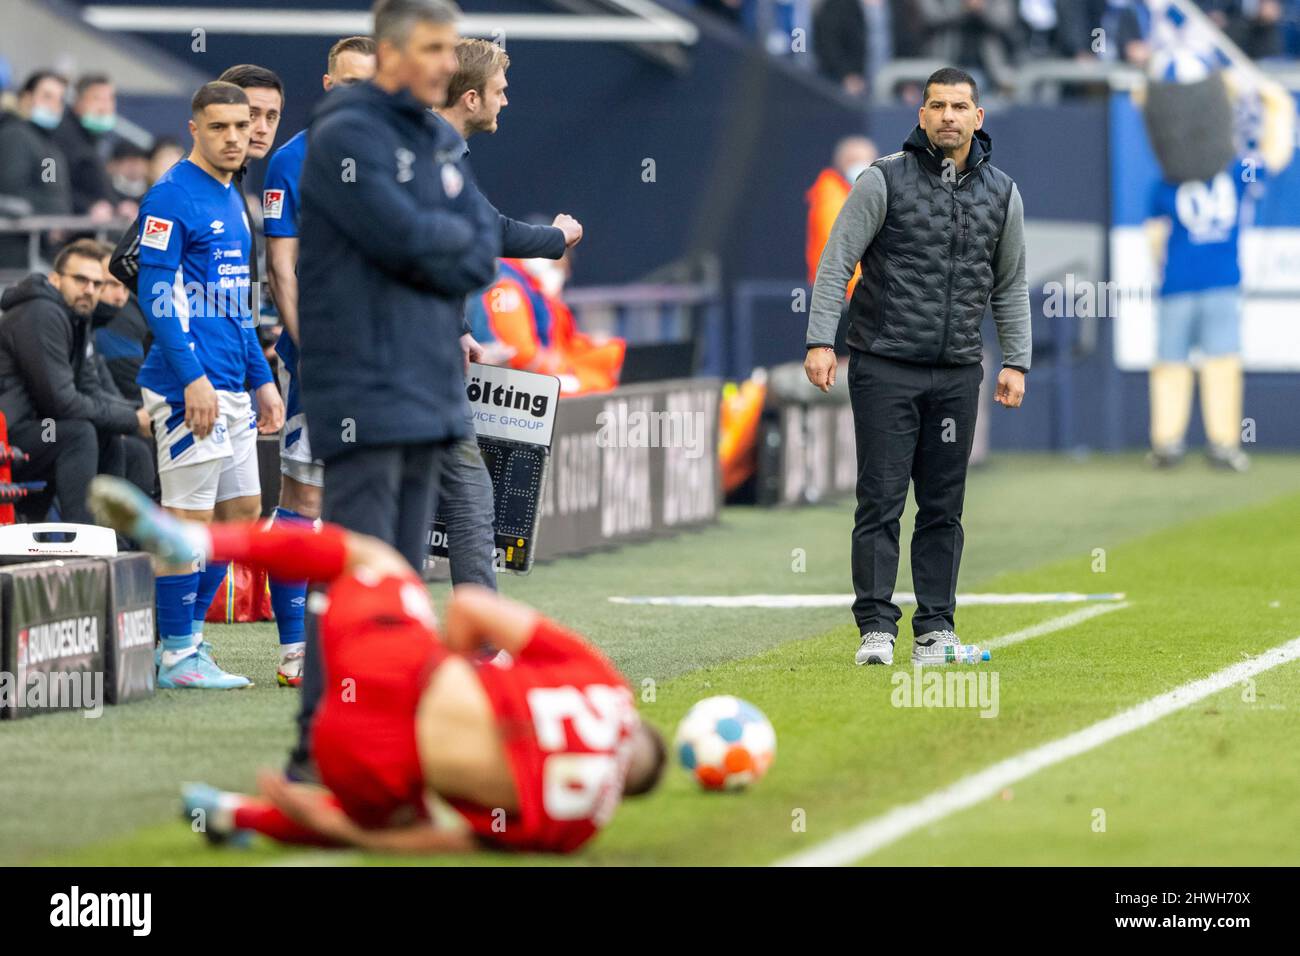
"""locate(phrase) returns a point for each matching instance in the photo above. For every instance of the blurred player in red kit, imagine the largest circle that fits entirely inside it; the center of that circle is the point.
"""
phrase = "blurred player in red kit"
(423, 745)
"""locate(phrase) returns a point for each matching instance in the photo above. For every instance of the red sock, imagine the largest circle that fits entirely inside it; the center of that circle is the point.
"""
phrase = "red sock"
(265, 818)
(284, 550)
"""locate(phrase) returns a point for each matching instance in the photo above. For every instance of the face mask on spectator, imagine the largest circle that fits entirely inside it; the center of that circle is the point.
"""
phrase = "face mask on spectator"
(46, 118)
(129, 186)
(99, 122)
(854, 171)
(103, 314)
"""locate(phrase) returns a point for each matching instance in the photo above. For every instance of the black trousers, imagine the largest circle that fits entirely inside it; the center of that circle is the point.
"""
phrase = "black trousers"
(387, 492)
(66, 454)
(912, 423)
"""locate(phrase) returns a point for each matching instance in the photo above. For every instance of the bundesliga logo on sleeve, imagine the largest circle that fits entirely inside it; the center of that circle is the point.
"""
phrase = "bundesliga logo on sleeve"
(157, 233)
(272, 203)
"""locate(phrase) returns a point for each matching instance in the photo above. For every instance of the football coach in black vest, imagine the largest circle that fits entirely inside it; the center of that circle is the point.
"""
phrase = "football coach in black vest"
(939, 232)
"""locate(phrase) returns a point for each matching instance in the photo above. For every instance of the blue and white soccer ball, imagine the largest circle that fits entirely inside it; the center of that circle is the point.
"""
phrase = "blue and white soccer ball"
(725, 743)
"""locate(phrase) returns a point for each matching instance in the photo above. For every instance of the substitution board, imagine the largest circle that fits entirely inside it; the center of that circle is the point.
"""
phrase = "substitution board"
(514, 418)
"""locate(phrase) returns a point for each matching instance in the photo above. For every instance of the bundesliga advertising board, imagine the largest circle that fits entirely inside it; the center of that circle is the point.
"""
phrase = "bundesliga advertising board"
(449, 435)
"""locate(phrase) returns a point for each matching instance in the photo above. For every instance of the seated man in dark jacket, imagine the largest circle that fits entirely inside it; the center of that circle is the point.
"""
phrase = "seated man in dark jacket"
(120, 342)
(122, 336)
(49, 390)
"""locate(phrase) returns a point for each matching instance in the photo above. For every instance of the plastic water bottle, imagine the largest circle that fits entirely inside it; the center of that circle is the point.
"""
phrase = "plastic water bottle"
(963, 654)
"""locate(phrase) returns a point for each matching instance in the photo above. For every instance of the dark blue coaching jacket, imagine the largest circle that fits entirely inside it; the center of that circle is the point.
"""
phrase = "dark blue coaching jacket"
(393, 236)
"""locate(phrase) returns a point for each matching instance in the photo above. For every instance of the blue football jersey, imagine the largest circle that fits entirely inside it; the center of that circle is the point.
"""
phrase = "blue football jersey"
(1206, 228)
(280, 218)
(280, 189)
(193, 229)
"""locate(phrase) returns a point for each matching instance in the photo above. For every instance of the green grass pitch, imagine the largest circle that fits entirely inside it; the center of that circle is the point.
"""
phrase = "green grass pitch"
(1209, 563)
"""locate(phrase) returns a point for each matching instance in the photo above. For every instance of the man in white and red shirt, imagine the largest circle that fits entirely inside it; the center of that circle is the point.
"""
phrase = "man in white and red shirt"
(423, 745)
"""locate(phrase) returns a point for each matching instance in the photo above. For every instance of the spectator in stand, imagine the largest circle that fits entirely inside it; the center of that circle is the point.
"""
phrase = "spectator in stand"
(1038, 21)
(50, 394)
(128, 173)
(852, 39)
(84, 138)
(826, 196)
(32, 166)
(1254, 25)
(973, 33)
(139, 466)
(122, 336)
(34, 173)
(165, 154)
(1123, 26)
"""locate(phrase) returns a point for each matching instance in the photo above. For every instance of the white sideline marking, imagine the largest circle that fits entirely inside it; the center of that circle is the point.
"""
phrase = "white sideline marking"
(872, 835)
(1054, 624)
(846, 600)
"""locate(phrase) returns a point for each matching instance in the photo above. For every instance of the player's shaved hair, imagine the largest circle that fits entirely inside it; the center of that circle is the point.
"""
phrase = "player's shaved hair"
(647, 767)
(217, 93)
(395, 18)
(363, 45)
(479, 62)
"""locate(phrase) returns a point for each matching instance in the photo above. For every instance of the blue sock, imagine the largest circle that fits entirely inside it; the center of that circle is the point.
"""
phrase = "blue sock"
(289, 598)
(210, 578)
(176, 596)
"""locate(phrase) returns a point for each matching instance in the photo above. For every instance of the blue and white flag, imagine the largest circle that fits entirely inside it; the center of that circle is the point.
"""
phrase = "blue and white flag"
(1185, 46)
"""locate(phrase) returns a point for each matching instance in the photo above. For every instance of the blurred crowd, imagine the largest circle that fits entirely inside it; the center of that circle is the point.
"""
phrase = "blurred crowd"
(51, 125)
(852, 39)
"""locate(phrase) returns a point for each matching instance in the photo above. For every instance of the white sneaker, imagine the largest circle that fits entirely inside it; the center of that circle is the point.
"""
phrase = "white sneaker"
(877, 647)
(289, 673)
(928, 648)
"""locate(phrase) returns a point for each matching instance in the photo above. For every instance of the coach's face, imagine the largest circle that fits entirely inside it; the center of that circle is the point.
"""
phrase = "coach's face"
(221, 133)
(949, 116)
(426, 63)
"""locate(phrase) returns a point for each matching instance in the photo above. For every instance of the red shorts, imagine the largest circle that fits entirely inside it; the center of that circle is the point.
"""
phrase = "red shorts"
(378, 657)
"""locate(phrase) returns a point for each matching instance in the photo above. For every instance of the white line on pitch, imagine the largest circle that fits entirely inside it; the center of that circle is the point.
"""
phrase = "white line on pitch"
(878, 832)
(1054, 624)
(845, 600)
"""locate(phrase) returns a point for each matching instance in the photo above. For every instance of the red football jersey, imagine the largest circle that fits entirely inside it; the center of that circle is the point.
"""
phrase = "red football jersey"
(567, 717)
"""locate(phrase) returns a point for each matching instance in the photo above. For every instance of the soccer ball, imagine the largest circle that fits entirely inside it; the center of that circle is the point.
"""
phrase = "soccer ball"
(726, 743)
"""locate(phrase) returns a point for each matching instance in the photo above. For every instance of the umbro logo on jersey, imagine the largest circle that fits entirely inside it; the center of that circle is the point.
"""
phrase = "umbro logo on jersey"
(218, 227)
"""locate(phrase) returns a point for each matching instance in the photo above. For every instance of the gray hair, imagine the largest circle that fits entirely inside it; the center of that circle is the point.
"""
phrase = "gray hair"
(395, 18)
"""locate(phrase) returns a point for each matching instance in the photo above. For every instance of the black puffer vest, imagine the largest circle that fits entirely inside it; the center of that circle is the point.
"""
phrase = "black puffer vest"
(928, 274)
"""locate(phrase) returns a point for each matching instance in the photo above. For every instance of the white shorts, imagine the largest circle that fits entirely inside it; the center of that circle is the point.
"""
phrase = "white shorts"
(296, 459)
(197, 473)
